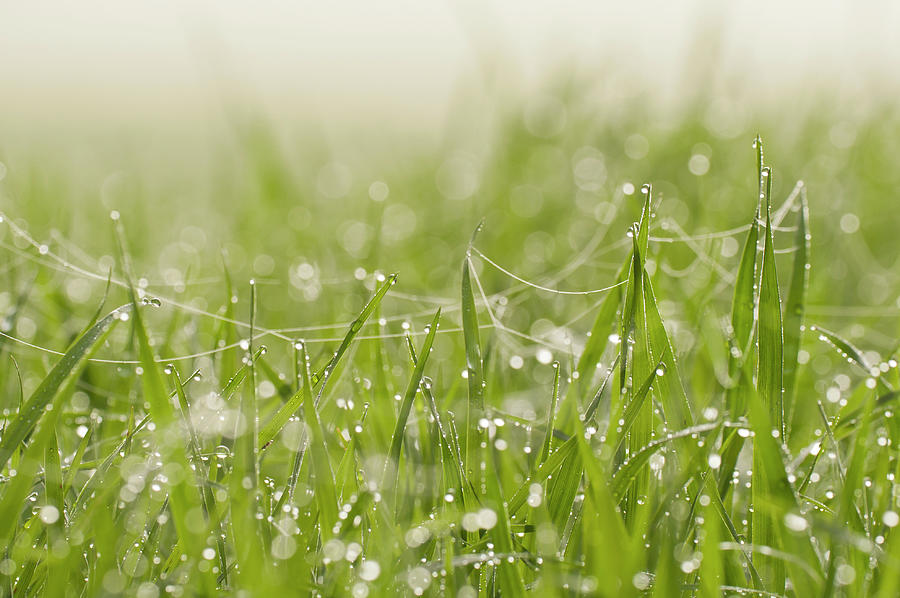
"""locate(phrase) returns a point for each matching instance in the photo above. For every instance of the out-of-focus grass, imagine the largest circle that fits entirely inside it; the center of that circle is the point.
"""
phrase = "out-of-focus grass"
(474, 455)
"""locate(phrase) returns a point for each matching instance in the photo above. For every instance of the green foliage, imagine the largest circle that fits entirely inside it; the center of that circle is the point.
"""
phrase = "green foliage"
(632, 408)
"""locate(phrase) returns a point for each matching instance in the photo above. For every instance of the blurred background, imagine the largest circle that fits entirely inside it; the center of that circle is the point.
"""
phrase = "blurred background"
(408, 64)
(312, 145)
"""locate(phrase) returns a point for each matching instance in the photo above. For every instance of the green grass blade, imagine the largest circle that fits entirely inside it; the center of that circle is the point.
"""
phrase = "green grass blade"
(474, 369)
(613, 564)
(355, 327)
(625, 475)
(474, 364)
(769, 391)
(326, 492)
(99, 476)
(412, 389)
(206, 494)
(604, 323)
(774, 503)
(509, 574)
(743, 318)
(670, 388)
(268, 432)
(184, 499)
(743, 303)
(43, 397)
(56, 387)
(54, 497)
(551, 415)
(844, 347)
(77, 459)
(567, 451)
(637, 404)
(795, 306)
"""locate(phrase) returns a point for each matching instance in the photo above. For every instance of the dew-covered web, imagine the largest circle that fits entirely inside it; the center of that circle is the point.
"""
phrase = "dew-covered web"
(72, 260)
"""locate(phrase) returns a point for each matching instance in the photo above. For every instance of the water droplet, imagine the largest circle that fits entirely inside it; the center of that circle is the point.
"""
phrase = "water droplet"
(49, 514)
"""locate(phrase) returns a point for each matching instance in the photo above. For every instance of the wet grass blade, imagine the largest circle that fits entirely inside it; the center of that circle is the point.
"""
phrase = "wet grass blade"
(743, 306)
(509, 574)
(604, 323)
(794, 307)
(474, 364)
(268, 432)
(625, 475)
(633, 409)
(43, 397)
(614, 566)
(769, 398)
(99, 476)
(743, 318)
(77, 459)
(354, 330)
(206, 494)
(406, 404)
(846, 349)
(770, 364)
(184, 499)
(56, 387)
(325, 489)
(669, 387)
(551, 415)
(474, 367)
(774, 505)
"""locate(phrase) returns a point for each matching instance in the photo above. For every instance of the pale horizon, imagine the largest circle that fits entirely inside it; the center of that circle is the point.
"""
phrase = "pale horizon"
(407, 63)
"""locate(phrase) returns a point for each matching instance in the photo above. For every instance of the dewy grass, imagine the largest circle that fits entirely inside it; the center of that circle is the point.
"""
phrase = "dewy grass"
(702, 427)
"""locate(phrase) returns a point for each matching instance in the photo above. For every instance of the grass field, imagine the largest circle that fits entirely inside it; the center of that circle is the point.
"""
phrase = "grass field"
(593, 352)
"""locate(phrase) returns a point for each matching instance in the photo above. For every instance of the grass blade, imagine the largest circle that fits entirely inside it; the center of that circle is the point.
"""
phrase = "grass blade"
(769, 384)
(268, 432)
(43, 397)
(406, 404)
(551, 414)
(184, 500)
(794, 307)
(326, 493)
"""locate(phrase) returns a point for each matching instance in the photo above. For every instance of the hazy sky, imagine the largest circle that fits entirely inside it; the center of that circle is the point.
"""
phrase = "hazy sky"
(406, 58)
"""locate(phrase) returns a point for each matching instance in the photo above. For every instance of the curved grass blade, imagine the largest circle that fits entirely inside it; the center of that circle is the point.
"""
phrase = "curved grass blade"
(633, 409)
(268, 432)
(598, 396)
(613, 564)
(406, 404)
(719, 506)
(100, 307)
(75, 464)
(355, 327)
(625, 474)
(846, 349)
(38, 417)
(99, 476)
(70, 364)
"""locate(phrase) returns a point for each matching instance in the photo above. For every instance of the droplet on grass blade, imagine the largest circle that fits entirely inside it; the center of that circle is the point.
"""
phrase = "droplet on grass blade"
(49, 514)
